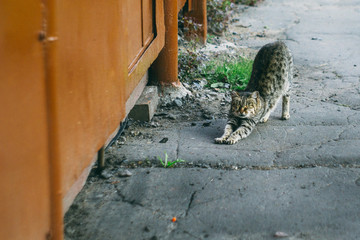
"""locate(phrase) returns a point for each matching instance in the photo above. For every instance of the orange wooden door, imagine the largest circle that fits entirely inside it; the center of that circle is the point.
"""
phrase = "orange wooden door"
(140, 29)
(25, 210)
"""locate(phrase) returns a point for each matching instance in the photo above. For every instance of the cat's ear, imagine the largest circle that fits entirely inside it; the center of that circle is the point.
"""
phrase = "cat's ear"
(234, 94)
(255, 95)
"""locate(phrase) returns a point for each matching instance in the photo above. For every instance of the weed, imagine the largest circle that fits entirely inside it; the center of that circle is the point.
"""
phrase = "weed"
(188, 27)
(246, 2)
(216, 15)
(210, 38)
(188, 62)
(167, 164)
(236, 73)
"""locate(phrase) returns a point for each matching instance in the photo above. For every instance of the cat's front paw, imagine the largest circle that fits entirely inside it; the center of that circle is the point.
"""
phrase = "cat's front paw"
(264, 119)
(232, 140)
(220, 140)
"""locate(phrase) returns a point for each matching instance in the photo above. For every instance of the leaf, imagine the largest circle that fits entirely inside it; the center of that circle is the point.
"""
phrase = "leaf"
(166, 159)
(217, 85)
(162, 163)
(176, 161)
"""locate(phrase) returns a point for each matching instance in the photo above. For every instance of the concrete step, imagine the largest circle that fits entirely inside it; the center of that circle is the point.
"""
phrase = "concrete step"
(146, 105)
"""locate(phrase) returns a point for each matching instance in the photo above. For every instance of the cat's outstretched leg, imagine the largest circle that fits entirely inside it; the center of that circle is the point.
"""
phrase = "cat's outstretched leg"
(243, 131)
(285, 107)
(227, 132)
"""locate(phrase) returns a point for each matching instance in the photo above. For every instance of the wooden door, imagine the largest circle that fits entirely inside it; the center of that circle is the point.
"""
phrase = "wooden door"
(140, 27)
(25, 209)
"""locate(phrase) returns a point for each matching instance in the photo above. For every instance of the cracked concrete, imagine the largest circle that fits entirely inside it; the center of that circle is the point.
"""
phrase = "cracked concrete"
(300, 176)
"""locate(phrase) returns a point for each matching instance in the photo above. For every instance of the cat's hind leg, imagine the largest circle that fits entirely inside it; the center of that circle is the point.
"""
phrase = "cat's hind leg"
(227, 132)
(285, 107)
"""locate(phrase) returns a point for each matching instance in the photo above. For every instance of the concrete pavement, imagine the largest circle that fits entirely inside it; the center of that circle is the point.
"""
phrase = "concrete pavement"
(300, 177)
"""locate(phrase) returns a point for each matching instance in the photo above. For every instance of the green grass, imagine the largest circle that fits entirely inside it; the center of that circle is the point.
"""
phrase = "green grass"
(246, 2)
(236, 72)
(167, 164)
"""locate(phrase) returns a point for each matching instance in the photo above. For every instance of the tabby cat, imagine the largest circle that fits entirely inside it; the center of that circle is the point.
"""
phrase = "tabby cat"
(270, 80)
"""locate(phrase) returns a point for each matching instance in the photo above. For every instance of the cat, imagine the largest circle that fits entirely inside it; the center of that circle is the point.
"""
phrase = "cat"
(270, 80)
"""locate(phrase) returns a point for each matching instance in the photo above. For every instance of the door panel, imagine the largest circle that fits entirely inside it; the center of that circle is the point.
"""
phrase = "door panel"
(135, 43)
(141, 23)
(148, 21)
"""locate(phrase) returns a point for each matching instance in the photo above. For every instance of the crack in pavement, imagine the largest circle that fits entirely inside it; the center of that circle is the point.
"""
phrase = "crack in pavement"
(193, 194)
(190, 202)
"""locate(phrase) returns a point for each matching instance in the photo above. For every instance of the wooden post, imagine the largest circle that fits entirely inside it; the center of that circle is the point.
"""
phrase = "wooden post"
(165, 67)
(101, 159)
(197, 13)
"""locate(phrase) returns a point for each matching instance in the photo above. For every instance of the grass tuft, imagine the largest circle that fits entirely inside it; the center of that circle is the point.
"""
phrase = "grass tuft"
(236, 73)
(167, 164)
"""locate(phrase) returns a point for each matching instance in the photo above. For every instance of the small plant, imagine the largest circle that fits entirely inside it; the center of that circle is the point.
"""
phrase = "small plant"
(188, 62)
(167, 164)
(247, 2)
(217, 16)
(210, 38)
(236, 73)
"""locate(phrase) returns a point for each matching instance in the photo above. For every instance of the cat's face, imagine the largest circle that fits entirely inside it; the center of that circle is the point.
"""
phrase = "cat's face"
(245, 104)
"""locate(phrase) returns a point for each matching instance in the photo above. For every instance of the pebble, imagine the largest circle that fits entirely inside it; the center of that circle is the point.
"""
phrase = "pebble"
(164, 140)
(213, 94)
(154, 124)
(206, 124)
(125, 173)
(134, 133)
(196, 86)
(106, 174)
(186, 85)
(178, 102)
(316, 38)
(281, 235)
(205, 166)
(171, 116)
(121, 140)
(208, 116)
